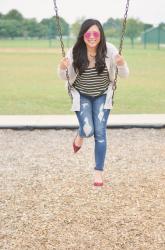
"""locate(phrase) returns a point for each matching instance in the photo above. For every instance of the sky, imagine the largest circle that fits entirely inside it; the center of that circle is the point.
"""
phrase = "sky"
(148, 11)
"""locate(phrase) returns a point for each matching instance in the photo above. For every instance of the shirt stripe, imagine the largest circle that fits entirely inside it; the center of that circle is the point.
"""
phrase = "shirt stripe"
(91, 83)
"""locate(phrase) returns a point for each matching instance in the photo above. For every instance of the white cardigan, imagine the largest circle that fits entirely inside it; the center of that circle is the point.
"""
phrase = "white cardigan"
(123, 71)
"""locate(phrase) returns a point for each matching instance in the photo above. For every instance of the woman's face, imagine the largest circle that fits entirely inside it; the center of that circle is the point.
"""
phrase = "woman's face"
(92, 37)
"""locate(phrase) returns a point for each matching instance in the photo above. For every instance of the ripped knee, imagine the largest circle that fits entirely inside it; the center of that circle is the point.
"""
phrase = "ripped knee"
(88, 129)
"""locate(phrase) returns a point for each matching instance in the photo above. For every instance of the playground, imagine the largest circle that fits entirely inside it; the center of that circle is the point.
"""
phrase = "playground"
(48, 200)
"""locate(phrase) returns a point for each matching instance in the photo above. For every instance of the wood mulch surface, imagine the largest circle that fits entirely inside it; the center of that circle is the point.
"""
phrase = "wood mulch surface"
(48, 200)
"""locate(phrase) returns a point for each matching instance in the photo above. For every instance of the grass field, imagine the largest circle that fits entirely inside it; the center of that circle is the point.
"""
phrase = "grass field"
(33, 43)
(29, 82)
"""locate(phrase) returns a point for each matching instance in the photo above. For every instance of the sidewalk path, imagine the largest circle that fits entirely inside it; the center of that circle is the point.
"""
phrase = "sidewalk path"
(70, 121)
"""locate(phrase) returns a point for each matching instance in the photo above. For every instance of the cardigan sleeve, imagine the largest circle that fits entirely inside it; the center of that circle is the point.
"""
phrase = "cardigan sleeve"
(123, 70)
(62, 72)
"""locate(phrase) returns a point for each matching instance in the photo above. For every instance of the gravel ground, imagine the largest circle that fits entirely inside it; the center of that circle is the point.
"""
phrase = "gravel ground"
(48, 200)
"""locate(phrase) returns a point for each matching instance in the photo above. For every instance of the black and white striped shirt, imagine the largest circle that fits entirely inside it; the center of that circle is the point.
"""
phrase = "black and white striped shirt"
(91, 83)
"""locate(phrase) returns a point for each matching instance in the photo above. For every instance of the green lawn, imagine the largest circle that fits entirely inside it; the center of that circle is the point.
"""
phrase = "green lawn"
(29, 82)
(33, 43)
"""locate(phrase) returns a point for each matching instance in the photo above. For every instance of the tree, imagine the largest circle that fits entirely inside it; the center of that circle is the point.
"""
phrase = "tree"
(112, 27)
(3, 29)
(10, 29)
(13, 24)
(14, 15)
(75, 27)
(51, 27)
(134, 28)
(31, 28)
(65, 27)
(1, 16)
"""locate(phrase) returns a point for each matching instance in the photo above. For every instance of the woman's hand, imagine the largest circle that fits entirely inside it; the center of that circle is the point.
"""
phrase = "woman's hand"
(119, 60)
(64, 64)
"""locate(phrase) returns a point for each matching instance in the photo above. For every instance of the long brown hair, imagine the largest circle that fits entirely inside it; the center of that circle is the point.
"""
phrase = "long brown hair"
(80, 59)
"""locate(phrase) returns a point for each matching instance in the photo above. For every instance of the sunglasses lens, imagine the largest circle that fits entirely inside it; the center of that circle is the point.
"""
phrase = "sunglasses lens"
(96, 34)
(89, 34)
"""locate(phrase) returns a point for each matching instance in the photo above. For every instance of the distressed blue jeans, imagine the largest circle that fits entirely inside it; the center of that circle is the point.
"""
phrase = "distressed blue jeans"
(92, 119)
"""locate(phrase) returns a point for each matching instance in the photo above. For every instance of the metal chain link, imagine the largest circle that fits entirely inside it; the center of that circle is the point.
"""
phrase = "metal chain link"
(114, 86)
(62, 44)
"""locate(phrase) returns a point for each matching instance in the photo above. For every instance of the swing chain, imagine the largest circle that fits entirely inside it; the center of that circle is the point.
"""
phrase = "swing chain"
(124, 27)
(62, 44)
(114, 86)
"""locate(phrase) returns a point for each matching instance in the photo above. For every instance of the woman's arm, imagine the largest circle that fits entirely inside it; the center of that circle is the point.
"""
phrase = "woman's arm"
(118, 60)
(122, 66)
(66, 63)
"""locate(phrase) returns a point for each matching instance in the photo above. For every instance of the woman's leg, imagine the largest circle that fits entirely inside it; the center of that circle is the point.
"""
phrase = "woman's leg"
(85, 117)
(100, 117)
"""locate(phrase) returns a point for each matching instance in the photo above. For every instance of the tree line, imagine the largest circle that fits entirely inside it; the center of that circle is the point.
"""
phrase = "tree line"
(14, 25)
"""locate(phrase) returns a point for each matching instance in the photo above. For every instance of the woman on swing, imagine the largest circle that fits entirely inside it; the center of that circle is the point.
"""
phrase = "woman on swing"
(91, 65)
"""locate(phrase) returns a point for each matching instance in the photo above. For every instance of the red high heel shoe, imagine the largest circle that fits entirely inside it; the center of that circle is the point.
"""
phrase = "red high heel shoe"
(75, 147)
(98, 184)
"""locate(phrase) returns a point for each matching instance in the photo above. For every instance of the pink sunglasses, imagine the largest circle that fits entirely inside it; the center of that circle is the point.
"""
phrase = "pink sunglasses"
(89, 34)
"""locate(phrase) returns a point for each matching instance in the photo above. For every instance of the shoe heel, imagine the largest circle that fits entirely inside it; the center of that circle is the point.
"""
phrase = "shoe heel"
(98, 184)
